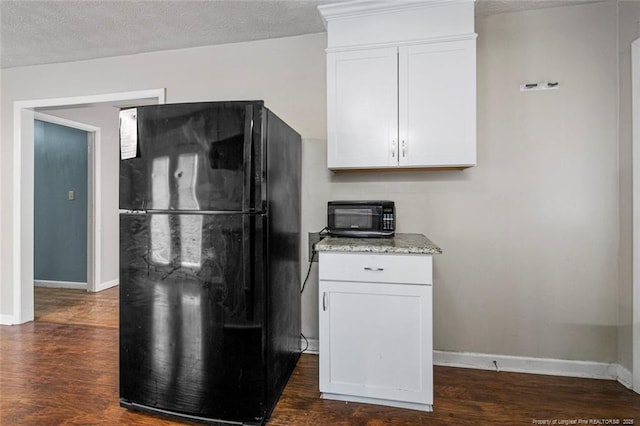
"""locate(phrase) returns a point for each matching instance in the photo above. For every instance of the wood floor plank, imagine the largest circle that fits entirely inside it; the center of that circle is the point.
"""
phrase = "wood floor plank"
(63, 370)
(73, 306)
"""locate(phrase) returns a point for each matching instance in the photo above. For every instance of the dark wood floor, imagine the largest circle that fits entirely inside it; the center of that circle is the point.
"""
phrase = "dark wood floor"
(62, 369)
(77, 307)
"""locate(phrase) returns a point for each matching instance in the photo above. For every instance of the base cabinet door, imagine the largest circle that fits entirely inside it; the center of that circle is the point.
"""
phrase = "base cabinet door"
(376, 341)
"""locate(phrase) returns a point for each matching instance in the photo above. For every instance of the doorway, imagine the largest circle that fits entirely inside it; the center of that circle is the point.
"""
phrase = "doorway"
(62, 196)
(23, 190)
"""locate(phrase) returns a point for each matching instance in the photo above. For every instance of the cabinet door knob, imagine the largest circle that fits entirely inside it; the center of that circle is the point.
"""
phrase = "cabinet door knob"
(369, 268)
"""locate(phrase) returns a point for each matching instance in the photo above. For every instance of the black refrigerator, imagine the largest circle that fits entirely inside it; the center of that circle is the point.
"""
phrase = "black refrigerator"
(209, 260)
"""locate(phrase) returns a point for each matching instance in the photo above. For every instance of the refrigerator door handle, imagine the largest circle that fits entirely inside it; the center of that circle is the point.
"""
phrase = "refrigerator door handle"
(247, 255)
(247, 160)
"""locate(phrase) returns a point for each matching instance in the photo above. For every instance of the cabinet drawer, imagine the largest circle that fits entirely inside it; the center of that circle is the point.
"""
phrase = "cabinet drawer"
(383, 268)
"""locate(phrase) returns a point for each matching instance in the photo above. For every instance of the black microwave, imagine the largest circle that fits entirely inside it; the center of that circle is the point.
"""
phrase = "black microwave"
(361, 218)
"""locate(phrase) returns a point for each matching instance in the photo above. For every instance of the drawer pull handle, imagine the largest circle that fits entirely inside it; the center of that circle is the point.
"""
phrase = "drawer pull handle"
(369, 268)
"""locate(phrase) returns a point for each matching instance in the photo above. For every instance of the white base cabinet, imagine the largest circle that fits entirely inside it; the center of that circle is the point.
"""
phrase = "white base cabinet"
(376, 329)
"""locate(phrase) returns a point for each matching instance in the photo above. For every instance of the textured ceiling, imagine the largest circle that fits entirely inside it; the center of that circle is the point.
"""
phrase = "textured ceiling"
(38, 32)
(41, 32)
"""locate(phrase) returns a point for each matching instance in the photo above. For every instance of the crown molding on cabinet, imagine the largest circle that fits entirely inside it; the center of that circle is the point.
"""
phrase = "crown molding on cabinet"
(358, 8)
(460, 37)
(373, 22)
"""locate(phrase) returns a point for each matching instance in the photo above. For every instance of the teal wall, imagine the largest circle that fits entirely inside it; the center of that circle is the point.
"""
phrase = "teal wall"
(60, 228)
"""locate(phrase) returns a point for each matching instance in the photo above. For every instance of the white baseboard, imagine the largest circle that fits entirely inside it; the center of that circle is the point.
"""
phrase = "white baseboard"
(516, 364)
(625, 377)
(313, 347)
(60, 284)
(106, 285)
(7, 320)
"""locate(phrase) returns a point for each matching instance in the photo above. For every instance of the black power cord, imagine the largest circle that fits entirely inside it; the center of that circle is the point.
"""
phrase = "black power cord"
(322, 232)
(313, 255)
(304, 284)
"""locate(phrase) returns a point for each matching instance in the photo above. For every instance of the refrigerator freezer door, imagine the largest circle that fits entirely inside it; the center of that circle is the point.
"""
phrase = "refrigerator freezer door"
(195, 157)
(191, 314)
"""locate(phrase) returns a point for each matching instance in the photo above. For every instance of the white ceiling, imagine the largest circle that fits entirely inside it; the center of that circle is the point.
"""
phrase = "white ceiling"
(40, 32)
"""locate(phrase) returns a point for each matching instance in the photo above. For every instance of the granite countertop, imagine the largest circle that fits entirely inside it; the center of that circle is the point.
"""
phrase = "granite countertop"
(401, 243)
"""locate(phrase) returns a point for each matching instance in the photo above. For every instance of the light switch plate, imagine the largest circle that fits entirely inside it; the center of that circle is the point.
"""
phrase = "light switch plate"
(72, 195)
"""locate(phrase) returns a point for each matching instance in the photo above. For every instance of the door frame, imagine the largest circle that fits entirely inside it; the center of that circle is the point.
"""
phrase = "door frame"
(635, 119)
(94, 211)
(23, 187)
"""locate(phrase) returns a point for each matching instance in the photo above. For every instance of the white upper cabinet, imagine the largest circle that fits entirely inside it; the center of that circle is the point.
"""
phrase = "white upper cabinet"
(401, 84)
(363, 115)
(437, 104)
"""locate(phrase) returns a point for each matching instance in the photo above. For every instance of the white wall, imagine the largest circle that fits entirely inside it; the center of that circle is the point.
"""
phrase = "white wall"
(4, 301)
(287, 73)
(532, 264)
(106, 118)
(530, 235)
(629, 16)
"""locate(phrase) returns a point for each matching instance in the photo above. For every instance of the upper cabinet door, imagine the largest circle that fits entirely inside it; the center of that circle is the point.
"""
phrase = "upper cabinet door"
(437, 92)
(362, 102)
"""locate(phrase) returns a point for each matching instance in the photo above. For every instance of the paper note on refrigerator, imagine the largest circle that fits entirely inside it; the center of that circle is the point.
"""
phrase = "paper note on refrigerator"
(128, 133)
